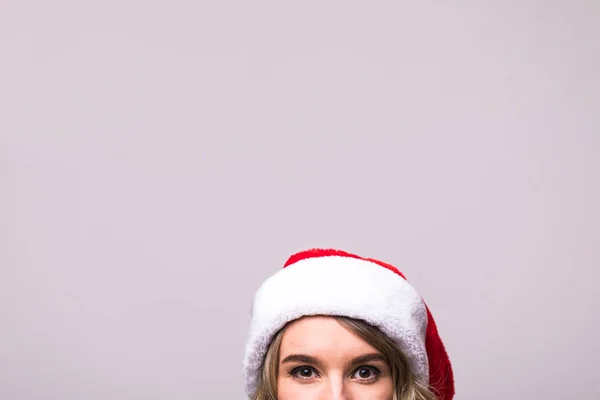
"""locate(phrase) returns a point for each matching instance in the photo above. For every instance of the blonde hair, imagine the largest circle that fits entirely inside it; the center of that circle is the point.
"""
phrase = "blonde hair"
(407, 386)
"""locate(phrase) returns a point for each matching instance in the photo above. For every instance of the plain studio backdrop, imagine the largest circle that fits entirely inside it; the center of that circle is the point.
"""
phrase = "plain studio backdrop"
(160, 159)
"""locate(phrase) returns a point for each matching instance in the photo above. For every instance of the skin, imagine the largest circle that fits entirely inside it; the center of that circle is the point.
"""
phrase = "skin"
(321, 360)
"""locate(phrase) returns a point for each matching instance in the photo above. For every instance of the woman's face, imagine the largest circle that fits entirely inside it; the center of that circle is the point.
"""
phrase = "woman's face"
(321, 360)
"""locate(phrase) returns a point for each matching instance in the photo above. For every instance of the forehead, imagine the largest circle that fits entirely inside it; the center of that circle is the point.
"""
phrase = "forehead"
(323, 337)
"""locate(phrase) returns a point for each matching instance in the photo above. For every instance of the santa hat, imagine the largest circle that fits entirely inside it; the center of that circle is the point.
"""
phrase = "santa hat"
(337, 283)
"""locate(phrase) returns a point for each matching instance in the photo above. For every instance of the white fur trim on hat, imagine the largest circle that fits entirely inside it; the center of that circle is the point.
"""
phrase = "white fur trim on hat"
(337, 286)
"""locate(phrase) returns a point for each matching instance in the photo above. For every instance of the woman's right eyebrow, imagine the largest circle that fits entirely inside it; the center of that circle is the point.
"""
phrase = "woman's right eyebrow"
(301, 358)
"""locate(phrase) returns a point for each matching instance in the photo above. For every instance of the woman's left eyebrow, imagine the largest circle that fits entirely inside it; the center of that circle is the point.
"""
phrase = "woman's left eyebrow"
(365, 358)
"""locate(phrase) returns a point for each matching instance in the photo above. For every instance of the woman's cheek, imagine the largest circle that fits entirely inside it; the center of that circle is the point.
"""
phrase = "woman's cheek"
(290, 389)
(382, 390)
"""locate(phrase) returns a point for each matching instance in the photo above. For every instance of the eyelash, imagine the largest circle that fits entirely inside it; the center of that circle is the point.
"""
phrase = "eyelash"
(376, 372)
(295, 372)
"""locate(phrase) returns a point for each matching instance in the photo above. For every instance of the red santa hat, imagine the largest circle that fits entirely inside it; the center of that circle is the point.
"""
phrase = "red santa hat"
(337, 283)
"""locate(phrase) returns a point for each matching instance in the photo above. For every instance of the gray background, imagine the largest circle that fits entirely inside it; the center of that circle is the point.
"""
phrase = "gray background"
(160, 159)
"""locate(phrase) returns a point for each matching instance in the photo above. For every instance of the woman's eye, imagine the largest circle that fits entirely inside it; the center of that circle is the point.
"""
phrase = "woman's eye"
(304, 372)
(365, 373)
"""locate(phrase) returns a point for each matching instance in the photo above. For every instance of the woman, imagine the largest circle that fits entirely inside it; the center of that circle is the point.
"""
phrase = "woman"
(336, 326)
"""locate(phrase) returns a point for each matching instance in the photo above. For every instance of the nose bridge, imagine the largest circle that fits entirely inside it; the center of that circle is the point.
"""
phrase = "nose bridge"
(336, 389)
